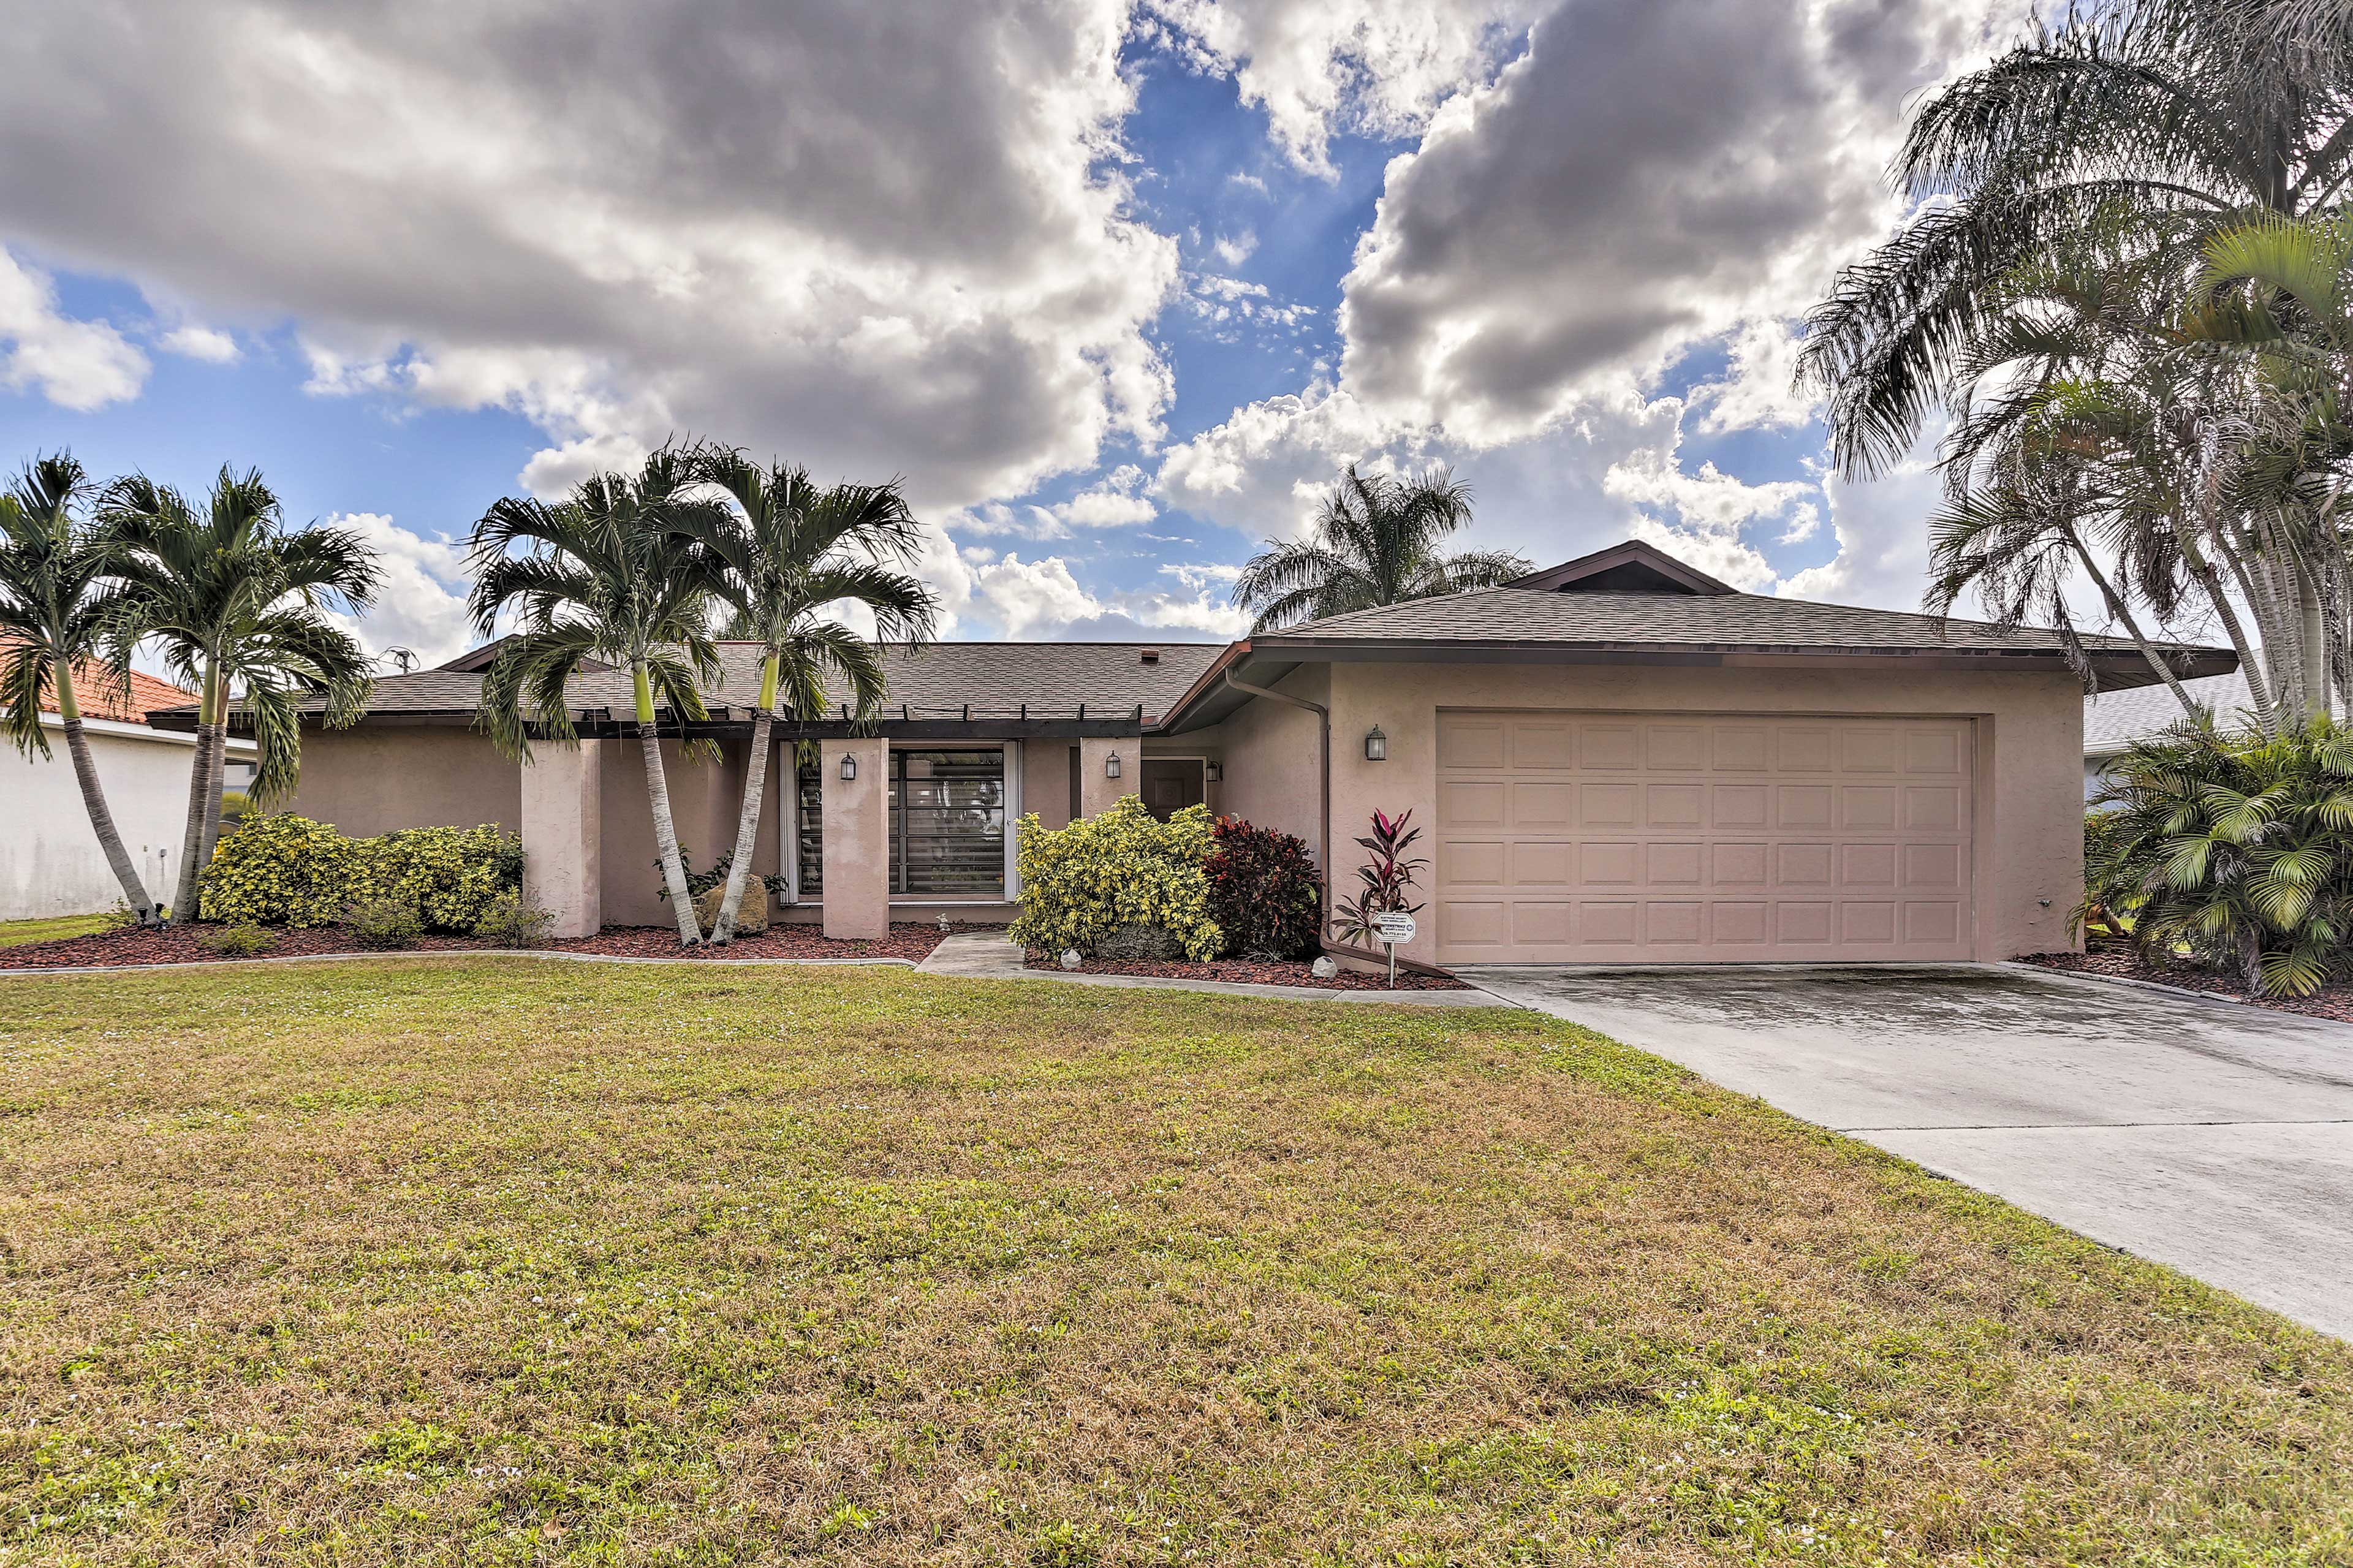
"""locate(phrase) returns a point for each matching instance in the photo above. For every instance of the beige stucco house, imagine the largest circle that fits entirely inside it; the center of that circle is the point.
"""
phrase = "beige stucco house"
(1619, 758)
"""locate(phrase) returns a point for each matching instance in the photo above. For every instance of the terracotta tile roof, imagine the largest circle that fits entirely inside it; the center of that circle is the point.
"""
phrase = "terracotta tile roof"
(96, 696)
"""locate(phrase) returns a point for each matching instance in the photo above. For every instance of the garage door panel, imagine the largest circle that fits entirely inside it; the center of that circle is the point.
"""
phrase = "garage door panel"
(1721, 838)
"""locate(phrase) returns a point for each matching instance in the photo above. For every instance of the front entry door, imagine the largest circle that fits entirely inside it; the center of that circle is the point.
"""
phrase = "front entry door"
(1170, 786)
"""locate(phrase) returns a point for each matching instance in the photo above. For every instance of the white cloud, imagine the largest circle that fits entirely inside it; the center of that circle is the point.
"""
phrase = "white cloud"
(206, 344)
(421, 606)
(1378, 66)
(75, 365)
(624, 221)
(1235, 249)
(1114, 501)
(1758, 390)
(1042, 600)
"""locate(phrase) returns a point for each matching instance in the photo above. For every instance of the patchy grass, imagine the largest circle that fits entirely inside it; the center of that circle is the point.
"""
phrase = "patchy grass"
(494, 1261)
(51, 928)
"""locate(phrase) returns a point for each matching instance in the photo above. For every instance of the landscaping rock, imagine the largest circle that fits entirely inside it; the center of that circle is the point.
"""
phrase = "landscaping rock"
(1323, 969)
(1140, 944)
(751, 915)
(1070, 959)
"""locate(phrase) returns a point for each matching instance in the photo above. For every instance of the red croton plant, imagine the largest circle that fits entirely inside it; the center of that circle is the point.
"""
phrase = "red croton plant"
(1385, 881)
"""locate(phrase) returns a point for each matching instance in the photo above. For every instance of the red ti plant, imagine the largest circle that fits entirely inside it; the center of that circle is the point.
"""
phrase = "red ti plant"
(1385, 881)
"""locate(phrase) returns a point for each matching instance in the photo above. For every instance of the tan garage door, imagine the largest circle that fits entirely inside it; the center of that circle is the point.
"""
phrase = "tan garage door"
(1572, 837)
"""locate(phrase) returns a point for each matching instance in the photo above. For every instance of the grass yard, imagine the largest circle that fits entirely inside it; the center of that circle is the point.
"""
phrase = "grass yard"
(50, 928)
(497, 1261)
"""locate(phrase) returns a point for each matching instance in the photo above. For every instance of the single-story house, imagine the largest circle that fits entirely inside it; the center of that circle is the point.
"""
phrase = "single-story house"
(2115, 720)
(1617, 759)
(50, 863)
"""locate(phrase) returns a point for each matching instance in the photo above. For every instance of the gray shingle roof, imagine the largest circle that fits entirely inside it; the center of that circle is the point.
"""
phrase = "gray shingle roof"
(992, 677)
(1732, 621)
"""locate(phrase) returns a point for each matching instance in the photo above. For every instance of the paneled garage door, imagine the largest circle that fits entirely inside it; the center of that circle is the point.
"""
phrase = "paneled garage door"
(1572, 837)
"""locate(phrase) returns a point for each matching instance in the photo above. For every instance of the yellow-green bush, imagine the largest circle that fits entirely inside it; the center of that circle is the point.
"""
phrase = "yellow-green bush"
(450, 874)
(1080, 883)
(283, 870)
(279, 869)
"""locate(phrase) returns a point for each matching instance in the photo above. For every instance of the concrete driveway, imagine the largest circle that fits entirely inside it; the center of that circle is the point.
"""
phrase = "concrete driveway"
(2216, 1139)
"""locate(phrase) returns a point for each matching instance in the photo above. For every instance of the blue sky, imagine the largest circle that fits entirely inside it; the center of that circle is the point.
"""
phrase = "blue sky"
(1114, 314)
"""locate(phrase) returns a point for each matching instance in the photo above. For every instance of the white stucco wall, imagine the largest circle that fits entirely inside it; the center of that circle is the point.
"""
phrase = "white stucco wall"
(50, 863)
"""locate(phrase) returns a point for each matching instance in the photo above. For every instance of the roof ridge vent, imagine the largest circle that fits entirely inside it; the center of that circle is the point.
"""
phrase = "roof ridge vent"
(1149, 655)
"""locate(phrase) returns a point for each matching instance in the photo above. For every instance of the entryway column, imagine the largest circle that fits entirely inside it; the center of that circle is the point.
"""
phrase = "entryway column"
(1097, 788)
(563, 830)
(856, 820)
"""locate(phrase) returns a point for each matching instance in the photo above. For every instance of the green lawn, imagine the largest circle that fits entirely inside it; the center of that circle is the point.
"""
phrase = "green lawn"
(50, 928)
(515, 1262)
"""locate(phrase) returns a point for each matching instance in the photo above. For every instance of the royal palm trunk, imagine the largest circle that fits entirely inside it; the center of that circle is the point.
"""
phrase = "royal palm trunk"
(665, 832)
(93, 800)
(747, 822)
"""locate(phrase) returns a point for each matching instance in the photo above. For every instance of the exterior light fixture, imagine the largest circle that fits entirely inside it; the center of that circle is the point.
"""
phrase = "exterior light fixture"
(1111, 766)
(849, 767)
(1376, 745)
(1216, 771)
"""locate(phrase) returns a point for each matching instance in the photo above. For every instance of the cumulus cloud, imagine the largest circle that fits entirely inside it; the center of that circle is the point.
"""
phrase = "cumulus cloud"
(206, 344)
(621, 221)
(1377, 66)
(75, 364)
(1042, 600)
(421, 606)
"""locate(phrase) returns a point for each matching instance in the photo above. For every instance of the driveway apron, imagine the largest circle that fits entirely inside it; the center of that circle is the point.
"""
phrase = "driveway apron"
(2215, 1139)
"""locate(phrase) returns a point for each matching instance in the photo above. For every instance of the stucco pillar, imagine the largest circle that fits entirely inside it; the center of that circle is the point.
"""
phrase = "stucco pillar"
(857, 826)
(1097, 789)
(563, 832)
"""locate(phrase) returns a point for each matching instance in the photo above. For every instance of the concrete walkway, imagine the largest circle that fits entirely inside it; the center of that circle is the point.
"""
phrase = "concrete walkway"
(985, 955)
(2217, 1139)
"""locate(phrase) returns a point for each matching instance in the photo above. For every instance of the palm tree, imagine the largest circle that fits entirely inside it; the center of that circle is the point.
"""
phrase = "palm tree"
(1374, 542)
(611, 576)
(239, 605)
(789, 552)
(55, 599)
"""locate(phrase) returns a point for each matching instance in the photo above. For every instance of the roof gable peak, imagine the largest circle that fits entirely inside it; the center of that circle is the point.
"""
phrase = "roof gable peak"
(1632, 567)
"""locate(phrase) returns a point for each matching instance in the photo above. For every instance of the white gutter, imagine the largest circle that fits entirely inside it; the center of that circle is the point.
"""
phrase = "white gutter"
(121, 730)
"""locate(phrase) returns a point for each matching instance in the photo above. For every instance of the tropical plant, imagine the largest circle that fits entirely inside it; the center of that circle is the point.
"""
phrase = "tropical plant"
(2235, 848)
(283, 870)
(1374, 541)
(611, 576)
(239, 605)
(451, 875)
(2119, 286)
(508, 922)
(722, 870)
(1119, 868)
(57, 595)
(384, 922)
(238, 940)
(1264, 893)
(1385, 882)
(792, 552)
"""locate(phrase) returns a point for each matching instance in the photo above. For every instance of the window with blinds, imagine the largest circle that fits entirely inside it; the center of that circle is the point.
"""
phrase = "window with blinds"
(947, 825)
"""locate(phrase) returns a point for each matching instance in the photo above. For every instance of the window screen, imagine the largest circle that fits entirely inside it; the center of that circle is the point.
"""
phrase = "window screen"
(947, 825)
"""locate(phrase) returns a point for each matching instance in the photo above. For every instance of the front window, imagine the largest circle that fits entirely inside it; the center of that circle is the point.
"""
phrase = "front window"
(947, 825)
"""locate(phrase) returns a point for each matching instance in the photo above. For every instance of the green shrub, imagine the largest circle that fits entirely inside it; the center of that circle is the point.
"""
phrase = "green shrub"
(1263, 892)
(283, 870)
(386, 922)
(2233, 850)
(280, 869)
(449, 874)
(507, 922)
(237, 940)
(1080, 883)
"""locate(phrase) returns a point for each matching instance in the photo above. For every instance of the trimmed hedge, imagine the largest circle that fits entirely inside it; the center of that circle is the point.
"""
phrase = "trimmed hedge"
(1119, 867)
(283, 870)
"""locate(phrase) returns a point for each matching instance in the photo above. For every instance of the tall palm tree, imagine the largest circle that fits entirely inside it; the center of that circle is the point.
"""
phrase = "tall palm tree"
(1374, 542)
(790, 550)
(611, 576)
(57, 593)
(239, 605)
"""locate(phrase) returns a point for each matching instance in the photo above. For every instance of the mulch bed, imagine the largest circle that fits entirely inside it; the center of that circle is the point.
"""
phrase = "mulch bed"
(1246, 974)
(2333, 1002)
(184, 944)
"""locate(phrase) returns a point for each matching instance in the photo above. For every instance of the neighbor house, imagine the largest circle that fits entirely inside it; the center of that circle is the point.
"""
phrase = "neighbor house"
(50, 863)
(1618, 759)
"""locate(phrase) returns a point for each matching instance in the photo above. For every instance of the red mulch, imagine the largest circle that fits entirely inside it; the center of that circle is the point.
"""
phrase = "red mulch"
(1247, 974)
(184, 944)
(2333, 1001)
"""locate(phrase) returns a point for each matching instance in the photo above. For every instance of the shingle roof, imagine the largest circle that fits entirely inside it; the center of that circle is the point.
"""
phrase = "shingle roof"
(2113, 720)
(997, 679)
(1748, 622)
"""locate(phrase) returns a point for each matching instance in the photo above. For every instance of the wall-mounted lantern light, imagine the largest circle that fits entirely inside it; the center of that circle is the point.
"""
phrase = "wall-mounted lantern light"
(1216, 771)
(1111, 766)
(849, 767)
(1376, 745)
